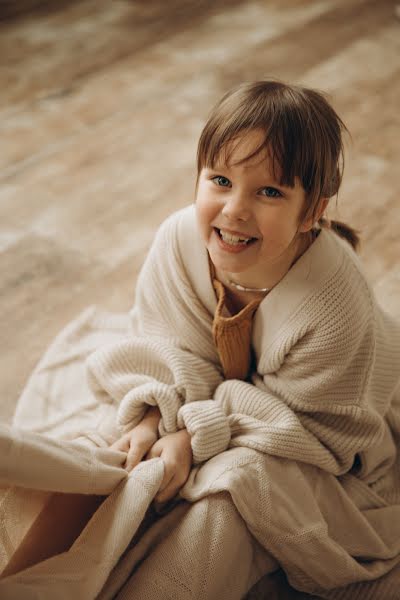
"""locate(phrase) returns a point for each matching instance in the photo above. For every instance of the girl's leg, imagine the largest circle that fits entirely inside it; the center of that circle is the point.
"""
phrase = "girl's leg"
(55, 529)
(209, 553)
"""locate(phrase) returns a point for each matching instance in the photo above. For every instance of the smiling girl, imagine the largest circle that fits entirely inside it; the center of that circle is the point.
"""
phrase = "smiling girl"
(261, 370)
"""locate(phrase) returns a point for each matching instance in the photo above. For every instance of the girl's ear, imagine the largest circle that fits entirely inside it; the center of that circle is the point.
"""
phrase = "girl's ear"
(310, 222)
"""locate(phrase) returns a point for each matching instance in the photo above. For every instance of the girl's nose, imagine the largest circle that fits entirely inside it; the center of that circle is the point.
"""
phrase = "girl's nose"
(236, 208)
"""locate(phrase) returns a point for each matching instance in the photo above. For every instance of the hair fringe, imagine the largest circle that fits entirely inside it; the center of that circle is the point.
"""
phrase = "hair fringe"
(344, 231)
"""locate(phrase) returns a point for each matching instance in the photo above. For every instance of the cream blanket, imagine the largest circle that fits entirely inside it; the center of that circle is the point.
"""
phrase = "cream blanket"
(43, 451)
(54, 404)
(332, 532)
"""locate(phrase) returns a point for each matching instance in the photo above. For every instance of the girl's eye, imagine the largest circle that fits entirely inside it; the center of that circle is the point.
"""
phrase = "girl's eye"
(220, 180)
(271, 192)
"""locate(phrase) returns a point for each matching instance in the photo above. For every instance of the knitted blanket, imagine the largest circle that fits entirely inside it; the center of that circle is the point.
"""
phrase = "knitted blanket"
(50, 448)
(283, 447)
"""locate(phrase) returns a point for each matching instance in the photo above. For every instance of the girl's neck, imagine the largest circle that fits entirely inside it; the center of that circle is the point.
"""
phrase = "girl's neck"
(236, 300)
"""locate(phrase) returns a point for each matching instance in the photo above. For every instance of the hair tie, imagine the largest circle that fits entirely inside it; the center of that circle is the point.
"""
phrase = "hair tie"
(325, 222)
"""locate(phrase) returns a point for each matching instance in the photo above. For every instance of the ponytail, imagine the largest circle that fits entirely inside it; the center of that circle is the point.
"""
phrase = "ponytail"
(342, 230)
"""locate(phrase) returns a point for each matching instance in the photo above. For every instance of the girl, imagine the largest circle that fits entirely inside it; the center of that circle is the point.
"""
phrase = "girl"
(261, 370)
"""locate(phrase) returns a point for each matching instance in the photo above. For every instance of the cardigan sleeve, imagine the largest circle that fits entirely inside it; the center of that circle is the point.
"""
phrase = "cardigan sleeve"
(325, 403)
(155, 364)
(140, 372)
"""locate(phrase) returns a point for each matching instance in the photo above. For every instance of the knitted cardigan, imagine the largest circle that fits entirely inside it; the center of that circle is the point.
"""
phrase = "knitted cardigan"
(319, 421)
(327, 359)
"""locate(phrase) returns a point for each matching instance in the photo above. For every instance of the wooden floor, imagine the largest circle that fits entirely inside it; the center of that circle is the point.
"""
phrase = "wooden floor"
(101, 105)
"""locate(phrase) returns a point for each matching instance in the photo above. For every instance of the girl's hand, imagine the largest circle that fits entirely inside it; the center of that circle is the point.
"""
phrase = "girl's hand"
(176, 451)
(137, 442)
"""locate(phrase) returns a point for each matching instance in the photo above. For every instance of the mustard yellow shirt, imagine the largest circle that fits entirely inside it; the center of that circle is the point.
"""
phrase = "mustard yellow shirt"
(232, 334)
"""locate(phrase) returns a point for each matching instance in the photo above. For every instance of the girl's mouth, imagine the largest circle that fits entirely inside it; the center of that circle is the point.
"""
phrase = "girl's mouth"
(233, 240)
(233, 243)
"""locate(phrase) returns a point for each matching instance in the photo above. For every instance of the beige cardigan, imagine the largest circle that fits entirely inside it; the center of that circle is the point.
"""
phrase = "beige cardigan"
(327, 359)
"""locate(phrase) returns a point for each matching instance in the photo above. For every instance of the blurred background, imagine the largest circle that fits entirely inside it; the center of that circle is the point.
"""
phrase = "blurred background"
(101, 106)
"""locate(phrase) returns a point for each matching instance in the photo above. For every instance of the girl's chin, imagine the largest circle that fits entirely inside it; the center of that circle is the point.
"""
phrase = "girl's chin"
(231, 264)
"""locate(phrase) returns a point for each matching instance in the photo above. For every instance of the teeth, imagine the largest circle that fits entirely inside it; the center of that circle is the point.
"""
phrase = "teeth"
(233, 239)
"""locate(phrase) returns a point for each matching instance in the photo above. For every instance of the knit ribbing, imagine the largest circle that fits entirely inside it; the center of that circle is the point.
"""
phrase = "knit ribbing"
(208, 426)
(140, 372)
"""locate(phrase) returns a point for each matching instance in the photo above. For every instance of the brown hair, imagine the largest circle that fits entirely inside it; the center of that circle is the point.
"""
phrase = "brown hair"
(303, 135)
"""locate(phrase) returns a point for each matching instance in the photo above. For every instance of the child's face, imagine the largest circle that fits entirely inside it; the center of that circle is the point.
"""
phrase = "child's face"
(246, 200)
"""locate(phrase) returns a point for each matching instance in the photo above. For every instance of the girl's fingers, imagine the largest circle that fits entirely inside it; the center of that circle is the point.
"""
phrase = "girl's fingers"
(133, 458)
(169, 491)
(122, 445)
(140, 451)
